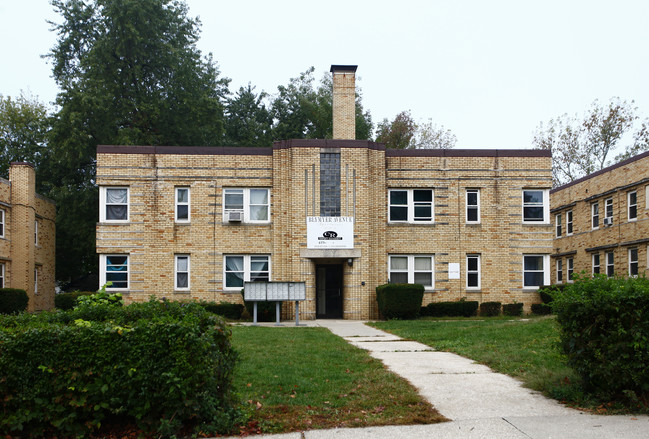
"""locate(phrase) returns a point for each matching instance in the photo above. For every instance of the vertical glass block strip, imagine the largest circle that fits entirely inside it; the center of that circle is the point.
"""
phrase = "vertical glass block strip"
(330, 184)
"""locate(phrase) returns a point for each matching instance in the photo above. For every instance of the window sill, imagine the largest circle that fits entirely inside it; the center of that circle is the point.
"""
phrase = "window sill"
(113, 223)
(477, 290)
(182, 291)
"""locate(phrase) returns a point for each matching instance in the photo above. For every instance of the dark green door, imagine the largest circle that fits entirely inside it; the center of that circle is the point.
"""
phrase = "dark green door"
(329, 291)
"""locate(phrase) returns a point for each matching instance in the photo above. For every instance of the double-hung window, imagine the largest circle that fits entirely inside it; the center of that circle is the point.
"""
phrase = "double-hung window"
(473, 272)
(535, 271)
(36, 280)
(114, 202)
(608, 211)
(2, 275)
(411, 205)
(252, 203)
(596, 263)
(535, 206)
(632, 205)
(559, 271)
(557, 220)
(181, 274)
(182, 205)
(569, 222)
(473, 206)
(412, 269)
(594, 210)
(633, 262)
(2, 223)
(245, 268)
(570, 262)
(114, 269)
(36, 233)
(610, 264)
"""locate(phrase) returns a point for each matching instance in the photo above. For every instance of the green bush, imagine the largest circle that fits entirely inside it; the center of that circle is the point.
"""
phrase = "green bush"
(490, 309)
(513, 309)
(228, 310)
(13, 300)
(399, 301)
(541, 309)
(604, 326)
(166, 366)
(547, 292)
(67, 301)
(461, 308)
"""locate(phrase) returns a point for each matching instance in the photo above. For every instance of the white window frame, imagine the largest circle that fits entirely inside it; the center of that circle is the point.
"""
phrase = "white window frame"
(558, 226)
(410, 270)
(36, 233)
(559, 264)
(103, 266)
(247, 262)
(103, 204)
(411, 205)
(478, 272)
(2, 223)
(633, 206)
(246, 204)
(183, 203)
(633, 262)
(608, 209)
(545, 271)
(2, 274)
(36, 280)
(594, 215)
(609, 263)
(545, 204)
(570, 269)
(569, 224)
(596, 261)
(177, 271)
(470, 207)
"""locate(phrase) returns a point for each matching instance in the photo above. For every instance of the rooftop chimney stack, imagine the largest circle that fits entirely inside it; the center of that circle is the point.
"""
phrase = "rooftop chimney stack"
(344, 105)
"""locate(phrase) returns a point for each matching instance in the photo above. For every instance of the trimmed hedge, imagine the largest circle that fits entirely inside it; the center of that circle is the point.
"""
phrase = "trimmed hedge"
(228, 310)
(67, 301)
(461, 308)
(13, 300)
(513, 309)
(541, 309)
(490, 309)
(399, 301)
(604, 327)
(547, 292)
(166, 366)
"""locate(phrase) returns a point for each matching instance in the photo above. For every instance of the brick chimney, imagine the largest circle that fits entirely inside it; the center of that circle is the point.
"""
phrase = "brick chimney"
(344, 105)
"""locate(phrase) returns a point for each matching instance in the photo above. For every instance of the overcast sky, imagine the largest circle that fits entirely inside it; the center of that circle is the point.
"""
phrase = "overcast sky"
(490, 71)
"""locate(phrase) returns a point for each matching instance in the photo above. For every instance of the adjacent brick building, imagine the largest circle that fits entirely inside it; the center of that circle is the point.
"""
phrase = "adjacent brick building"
(342, 215)
(27, 237)
(601, 222)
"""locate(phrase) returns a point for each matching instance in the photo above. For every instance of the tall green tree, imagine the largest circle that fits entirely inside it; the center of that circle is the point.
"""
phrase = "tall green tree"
(398, 133)
(24, 127)
(129, 73)
(247, 120)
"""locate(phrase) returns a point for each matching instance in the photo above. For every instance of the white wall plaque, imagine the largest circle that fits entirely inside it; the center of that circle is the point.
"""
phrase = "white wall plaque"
(453, 270)
(325, 232)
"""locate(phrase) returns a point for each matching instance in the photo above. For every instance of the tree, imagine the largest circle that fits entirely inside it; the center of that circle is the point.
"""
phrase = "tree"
(429, 136)
(247, 120)
(129, 73)
(24, 127)
(581, 146)
(397, 134)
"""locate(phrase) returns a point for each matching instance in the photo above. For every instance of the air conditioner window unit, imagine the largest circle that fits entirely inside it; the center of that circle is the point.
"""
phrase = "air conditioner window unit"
(235, 216)
(608, 221)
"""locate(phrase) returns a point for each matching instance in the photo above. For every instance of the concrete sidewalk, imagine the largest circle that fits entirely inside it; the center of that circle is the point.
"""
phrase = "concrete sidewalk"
(479, 402)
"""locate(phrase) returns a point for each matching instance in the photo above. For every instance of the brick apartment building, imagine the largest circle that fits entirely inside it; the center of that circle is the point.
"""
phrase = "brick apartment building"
(342, 215)
(27, 237)
(601, 222)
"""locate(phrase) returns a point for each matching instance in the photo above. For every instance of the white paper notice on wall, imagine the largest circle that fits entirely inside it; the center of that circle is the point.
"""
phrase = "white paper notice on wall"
(453, 270)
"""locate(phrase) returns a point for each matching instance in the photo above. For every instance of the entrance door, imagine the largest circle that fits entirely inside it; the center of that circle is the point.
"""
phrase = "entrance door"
(329, 291)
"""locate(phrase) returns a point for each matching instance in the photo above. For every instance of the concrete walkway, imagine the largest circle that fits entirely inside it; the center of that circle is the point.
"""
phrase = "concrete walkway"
(479, 402)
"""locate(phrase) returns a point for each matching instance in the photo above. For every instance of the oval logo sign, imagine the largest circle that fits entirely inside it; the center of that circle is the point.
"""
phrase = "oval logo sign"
(330, 234)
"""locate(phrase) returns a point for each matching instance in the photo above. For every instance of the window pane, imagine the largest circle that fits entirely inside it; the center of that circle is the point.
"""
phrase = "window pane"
(398, 213)
(182, 280)
(183, 195)
(423, 263)
(472, 214)
(258, 196)
(116, 212)
(234, 263)
(234, 199)
(259, 213)
(423, 195)
(259, 265)
(533, 197)
(399, 278)
(116, 260)
(423, 213)
(398, 197)
(181, 263)
(472, 280)
(426, 279)
(533, 213)
(116, 195)
(233, 279)
(399, 263)
(533, 279)
(259, 276)
(183, 212)
(533, 263)
(472, 198)
(472, 264)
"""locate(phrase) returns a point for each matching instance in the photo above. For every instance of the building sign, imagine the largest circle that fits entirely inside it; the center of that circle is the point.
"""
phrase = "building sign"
(453, 270)
(329, 232)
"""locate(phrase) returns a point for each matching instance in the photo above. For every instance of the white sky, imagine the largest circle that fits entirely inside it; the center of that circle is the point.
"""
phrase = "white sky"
(490, 71)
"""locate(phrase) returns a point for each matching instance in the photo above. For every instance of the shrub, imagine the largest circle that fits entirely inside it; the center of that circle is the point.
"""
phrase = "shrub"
(13, 300)
(67, 301)
(604, 327)
(513, 309)
(399, 301)
(541, 309)
(228, 310)
(461, 308)
(163, 365)
(547, 292)
(490, 309)
(424, 311)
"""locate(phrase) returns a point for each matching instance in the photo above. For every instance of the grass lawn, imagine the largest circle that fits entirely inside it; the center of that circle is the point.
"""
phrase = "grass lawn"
(295, 379)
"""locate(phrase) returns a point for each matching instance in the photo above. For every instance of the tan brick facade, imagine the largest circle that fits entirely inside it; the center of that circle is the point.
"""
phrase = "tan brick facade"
(27, 241)
(610, 222)
(344, 102)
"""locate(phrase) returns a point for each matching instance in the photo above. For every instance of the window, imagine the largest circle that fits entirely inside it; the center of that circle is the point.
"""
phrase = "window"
(245, 268)
(35, 280)
(559, 271)
(254, 203)
(594, 209)
(633, 262)
(182, 204)
(473, 206)
(2, 275)
(535, 206)
(114, 268)
(596, 266)
(114, 204)
(411, 205)
(569, 222)
(608, 211)
(2, 223)
(610, 264)
(557, 219)
(412, 269)
(473, 272)
(36, 232)
(632, 202)
(570, 268)
(182, 272)
(535, 273)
